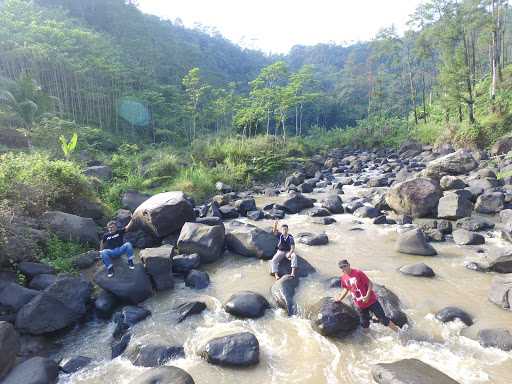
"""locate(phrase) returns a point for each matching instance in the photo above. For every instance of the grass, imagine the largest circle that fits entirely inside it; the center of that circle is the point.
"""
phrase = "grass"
(59, 254)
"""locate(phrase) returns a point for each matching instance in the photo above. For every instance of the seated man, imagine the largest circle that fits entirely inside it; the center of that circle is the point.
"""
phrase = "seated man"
(113, 245)
(285, 247)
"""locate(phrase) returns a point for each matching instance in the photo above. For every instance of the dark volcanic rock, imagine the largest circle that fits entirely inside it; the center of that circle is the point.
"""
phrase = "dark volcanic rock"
(409, 371)
(119, 346)
(391, 305)
(332, 318)
(463, 237)
(283, 291)
(415, 197)
(333, 203)
(251, 241)
(185, 310)
(500, 292)
(420, 269)
(240, 349)
(75, 364)
(246, 304)
(14, 296)
(9, 347)
(155, 355)
(197, 279)
(474, 224)
(37, 370)
(304, 268)
(413, 242)
(31, 269)
(105, 304)
(497, 338)
(157, 262)
(296, 203)
(311, 239)
(185, 263)
(448, 314)
(164, 375)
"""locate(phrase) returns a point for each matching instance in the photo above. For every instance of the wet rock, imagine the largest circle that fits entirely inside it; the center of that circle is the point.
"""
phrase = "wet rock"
(453, 206)
(41, 282)
(313, 240)
(75, 364)
(14, 296)
(246, 304)
(164, 375)
(409, 371)
(367, 212)
(415, 197)
(283, 291)
(419, 270)
(37, 370)
(448, 314)
(143, 239)
(70, 227)
(275, 214)
(105, 304)
(296, 203)
(496, 338)
(157, 262)
(164, 213)
(463, 237)
(319, 212)
(490, 202)
(332, 318)
(391, 305)
(304, 268)
(197, 279)
(185, 263)
(185, 310)
(85, 260)
(271, 192)
(413, 242)
(9, 347)
(456, 163)
(251, 241)
(451, 182)
(333, 203)
(239, 349)
(128, 317)
(500, 292)
(474, 224)
(119, 346)
(133, 286)
(324, 220)
(155, 355)
(31, 269)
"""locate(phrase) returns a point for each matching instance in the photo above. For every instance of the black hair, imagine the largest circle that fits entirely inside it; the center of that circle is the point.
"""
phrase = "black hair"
(284, 225)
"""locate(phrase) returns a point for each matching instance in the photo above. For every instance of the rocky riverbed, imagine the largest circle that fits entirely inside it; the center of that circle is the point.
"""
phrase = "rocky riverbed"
(432, 228)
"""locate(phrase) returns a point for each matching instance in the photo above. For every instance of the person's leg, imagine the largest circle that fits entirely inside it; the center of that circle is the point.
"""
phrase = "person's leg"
(364, 315)
(128, 249)
(275, 263)
(378, 311)
(106, 257)
(294, 263)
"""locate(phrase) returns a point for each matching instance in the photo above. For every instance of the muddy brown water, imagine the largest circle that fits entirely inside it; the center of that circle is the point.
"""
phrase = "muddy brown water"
(290, 351)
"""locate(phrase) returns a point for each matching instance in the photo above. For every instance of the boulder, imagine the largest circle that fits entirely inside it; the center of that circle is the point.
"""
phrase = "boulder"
(207, 241)
(500, 292)
(37, 370)
(142, 239)
(251, 241)
(246, 304)
(319, 212)
(367, 212)
(295, 179)
(501, 264)
(210, 220)
(105, 304)
(409, 371)
(463, 237)
(415, 197)
(164, 213)
(304, 268)
(157, 262)
(474, 224)
(419, 270)
(185, 263)
(448, 314)
(490, 202)
(303, 188)
(119, 346)
(57, 307)
(9, 347)
(131, 200)
(451, 182)
(132, 286)
(256, 215)
(324, 220)
(31, 269)
(239, 349)
(197, 279)
(222, 187)
(296, 203)
(163, 375)
(41, 282)
(332, 318)
(14, 296)
(102, 172)
(413, 242)
(496, 338)
(85, 260)
(502, 146)
(123, 217)
(333, 203)
(154, 355)
(391, 305)
(70, 227)
(453, 206)
(228, 212)
(245, 205)
(75, 364)
(313, 240)
(283, 291)
(456, 163)
(185, 310)
(128, 317)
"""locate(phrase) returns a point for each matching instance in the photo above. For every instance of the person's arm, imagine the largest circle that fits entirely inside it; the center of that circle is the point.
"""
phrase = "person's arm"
(274, 227)
(369, 292)
(129, 226)
(101, 245)
(342, 295)
(292, 249)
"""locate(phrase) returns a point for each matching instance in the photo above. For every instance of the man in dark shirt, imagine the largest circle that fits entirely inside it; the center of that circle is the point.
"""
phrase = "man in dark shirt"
(285, 247)
(113, 245)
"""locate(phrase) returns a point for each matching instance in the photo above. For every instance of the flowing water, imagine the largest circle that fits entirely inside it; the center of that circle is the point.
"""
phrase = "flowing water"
(290, 351)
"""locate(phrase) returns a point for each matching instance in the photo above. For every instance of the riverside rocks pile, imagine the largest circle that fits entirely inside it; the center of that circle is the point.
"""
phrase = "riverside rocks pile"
(429, 195)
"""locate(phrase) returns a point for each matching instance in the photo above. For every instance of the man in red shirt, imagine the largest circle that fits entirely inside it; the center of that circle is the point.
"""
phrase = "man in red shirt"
(361, 288)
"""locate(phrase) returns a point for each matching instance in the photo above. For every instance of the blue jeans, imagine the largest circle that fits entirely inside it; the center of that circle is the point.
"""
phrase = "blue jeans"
(107, 254)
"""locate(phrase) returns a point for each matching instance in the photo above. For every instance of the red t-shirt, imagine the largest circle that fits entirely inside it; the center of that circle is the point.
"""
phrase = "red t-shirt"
(357, 283)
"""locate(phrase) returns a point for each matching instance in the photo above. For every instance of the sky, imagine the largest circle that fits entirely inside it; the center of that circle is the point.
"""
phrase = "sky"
(274, 26)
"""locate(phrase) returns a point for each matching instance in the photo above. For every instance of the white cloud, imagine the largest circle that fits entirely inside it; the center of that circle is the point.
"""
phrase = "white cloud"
(277, 25)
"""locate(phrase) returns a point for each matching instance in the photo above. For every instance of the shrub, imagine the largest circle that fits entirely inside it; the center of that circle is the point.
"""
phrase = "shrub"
(59, 254)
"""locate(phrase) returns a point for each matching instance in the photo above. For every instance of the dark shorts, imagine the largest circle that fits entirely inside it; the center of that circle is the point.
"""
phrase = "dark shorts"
(377, 310)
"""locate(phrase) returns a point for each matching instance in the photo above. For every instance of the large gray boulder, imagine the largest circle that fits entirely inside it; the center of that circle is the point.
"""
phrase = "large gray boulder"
(187, 309)
(157, 262)
(60, 305)
(239, 349)
(37, 370)
(448, 314)
(283, 291)
(453, 207)
(251, 241)
(415, 197)
(413, 242)
(456, 163)
(70, 227)
(502, 146)
(296, 203)
(246, 304)
(500, 292)
(451, 182)
(496, 338)
(332, 318)
(464, 237)
(304, 268)
(164, 213)
(418, 270)
(474, 224)
(391, 304)
(333, 203)
(207, 241)
(163, 375)
(14, 296)
(490, 202)
(9, 347)
(132, 286)
(409, 371)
